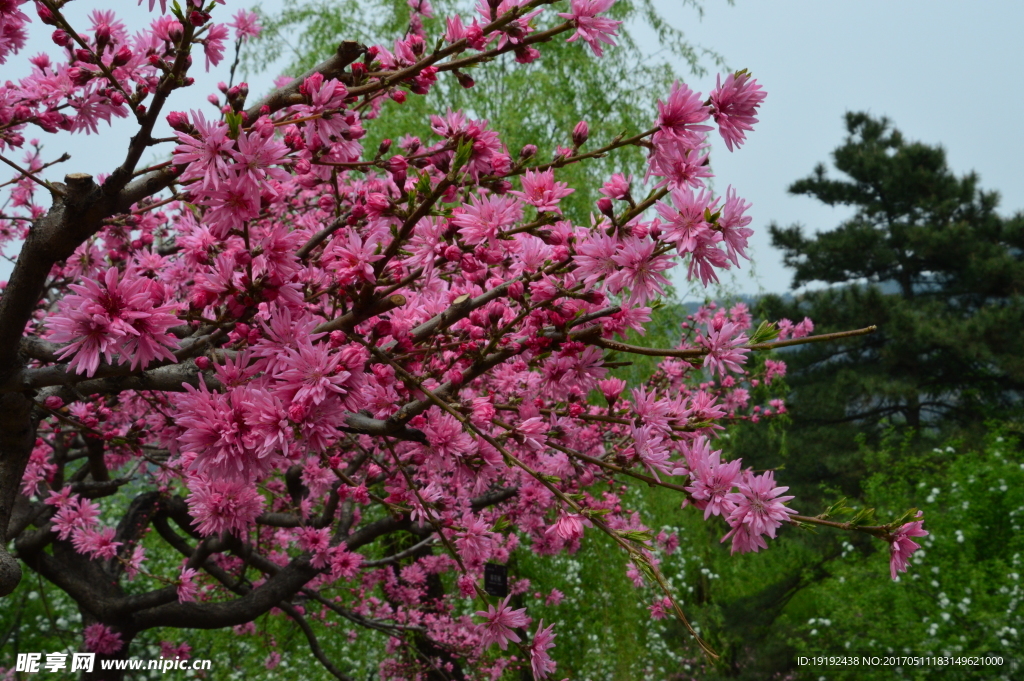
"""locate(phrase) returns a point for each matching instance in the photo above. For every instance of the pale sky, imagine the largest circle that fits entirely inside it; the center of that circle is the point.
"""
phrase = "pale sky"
(944, 71)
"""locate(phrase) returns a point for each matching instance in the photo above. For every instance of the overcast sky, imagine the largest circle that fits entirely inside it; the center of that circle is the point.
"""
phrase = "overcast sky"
(945, 72)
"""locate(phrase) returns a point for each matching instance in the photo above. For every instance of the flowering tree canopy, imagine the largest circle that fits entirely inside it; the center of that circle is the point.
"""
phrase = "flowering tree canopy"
(283, 349)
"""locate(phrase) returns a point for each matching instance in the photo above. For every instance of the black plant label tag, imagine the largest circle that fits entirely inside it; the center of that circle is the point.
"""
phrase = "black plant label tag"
(496, 579)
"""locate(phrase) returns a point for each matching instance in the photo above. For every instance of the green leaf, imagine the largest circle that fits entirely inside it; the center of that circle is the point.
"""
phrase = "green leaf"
(234, 121)
(637, 535)
(767, 331)
(462, 155)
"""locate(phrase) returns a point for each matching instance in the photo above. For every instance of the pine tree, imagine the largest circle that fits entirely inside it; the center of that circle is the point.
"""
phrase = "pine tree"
(926, 258)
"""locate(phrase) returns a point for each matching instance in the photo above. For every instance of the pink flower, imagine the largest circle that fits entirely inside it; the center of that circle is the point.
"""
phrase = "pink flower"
(617, 187)
(484, 216)
(594, 261)
(759, 510)
(95, 543)
(352, 259)
(568, 527)
(344, 563)
(447, 438)
(311, 373)
(804, 328)
(226, 433)
(500, 623)
(734, 105)
(723, 341)
(711, 481)
(650, 449)
(541, 190)
(12, 28)
(540, 660)
(115, 314)
(686, 219)
(477, 543)
(679, 162)
(611, 388)
(213, 44)
(640, 270)
(592, 29)
(73, 514)
(733, 225)
(660, 609)
(323, 95)
(169, 650)
(316, 542)
(101, 639)
(206, 157)
(224, 506)
(135, 562)
(679, 116)
(246, 24)
(421, 7)
(187, 587)
(901, 546)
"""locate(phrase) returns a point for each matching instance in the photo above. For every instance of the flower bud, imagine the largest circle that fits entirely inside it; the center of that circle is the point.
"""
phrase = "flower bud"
(53, 402)
(475, 37)
(604, 204)
(45, 15)
(580, 134)
(198, 18)
(612, 388)
(385, 145)
(528, 151)
(527, 54)
(123, 56)
(203, 363)
(103, 34)
(465, 80)
(80, 76)
(297, 412)
(398, 96)
(84, 55)
(178, 120)
(396, 164)
(377, 203)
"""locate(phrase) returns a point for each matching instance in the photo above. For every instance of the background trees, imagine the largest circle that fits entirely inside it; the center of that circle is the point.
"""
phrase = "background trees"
(928, 259)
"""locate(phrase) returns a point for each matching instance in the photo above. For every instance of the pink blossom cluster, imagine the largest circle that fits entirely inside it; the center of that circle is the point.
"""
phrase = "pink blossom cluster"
(299, 345)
